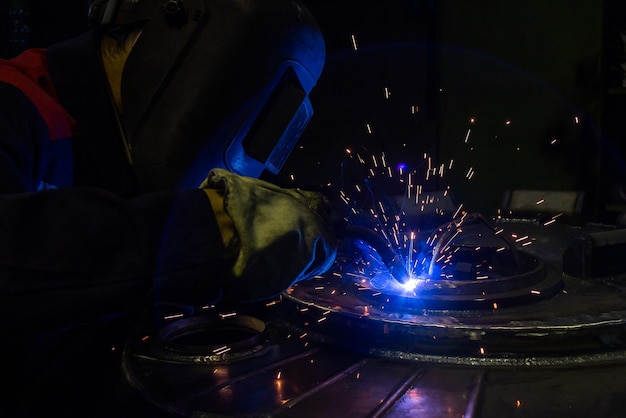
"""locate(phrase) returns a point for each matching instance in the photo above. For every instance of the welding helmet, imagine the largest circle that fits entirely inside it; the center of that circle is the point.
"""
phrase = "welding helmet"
(214, 83)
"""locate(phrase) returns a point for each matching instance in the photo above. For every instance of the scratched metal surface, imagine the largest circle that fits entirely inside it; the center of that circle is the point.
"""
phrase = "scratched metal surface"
(319, 357)
(321, 381)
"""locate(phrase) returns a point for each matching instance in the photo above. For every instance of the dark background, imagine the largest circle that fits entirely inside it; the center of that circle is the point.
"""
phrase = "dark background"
(537, 84)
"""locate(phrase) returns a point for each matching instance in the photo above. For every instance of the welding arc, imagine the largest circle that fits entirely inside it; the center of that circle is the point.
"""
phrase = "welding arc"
(389, 257)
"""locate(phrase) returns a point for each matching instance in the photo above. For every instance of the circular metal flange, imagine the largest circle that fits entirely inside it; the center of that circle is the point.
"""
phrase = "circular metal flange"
(531, 285)
(537, 314)
(570, 325)
(205, 339)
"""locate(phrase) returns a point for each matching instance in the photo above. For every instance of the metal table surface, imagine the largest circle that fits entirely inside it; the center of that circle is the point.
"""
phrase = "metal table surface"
(308, 361)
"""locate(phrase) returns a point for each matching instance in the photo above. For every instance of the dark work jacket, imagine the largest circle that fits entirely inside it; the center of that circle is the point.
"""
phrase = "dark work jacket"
(77, 240)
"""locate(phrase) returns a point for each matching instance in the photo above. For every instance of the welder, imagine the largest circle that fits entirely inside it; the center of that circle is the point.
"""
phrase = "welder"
(130, 157)
(104, 165)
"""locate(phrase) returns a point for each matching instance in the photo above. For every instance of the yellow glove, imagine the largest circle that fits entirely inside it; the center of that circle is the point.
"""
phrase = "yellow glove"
(284, 235)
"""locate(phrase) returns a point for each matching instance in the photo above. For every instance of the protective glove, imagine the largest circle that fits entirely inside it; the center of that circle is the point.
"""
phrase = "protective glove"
(282, 235)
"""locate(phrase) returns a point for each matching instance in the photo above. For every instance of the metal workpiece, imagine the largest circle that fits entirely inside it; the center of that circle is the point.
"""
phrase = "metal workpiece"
(536, 315)
(343, 344)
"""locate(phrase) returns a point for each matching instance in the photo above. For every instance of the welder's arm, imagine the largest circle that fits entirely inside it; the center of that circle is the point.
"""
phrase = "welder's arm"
(281, 236)
(77, 253)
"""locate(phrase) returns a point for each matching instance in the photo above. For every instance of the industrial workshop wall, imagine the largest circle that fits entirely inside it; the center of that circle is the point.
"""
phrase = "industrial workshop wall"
(520, 96)
(37, 24)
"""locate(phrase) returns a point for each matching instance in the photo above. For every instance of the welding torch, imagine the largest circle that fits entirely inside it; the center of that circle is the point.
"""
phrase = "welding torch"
(343, 230)
(391, 260)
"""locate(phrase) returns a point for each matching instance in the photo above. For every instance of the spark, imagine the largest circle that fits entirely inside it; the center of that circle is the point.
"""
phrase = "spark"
(387, 93)
(221, 350)
(369, 128)
(409, 261)
(355, 46)
(458, 211)
(467, 136)
(540, 201)
(576, 120)
(173, 316)
(228, 315)
(278, 375)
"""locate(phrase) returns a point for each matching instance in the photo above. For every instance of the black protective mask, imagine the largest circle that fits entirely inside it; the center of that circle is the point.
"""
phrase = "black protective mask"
(216, 83)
